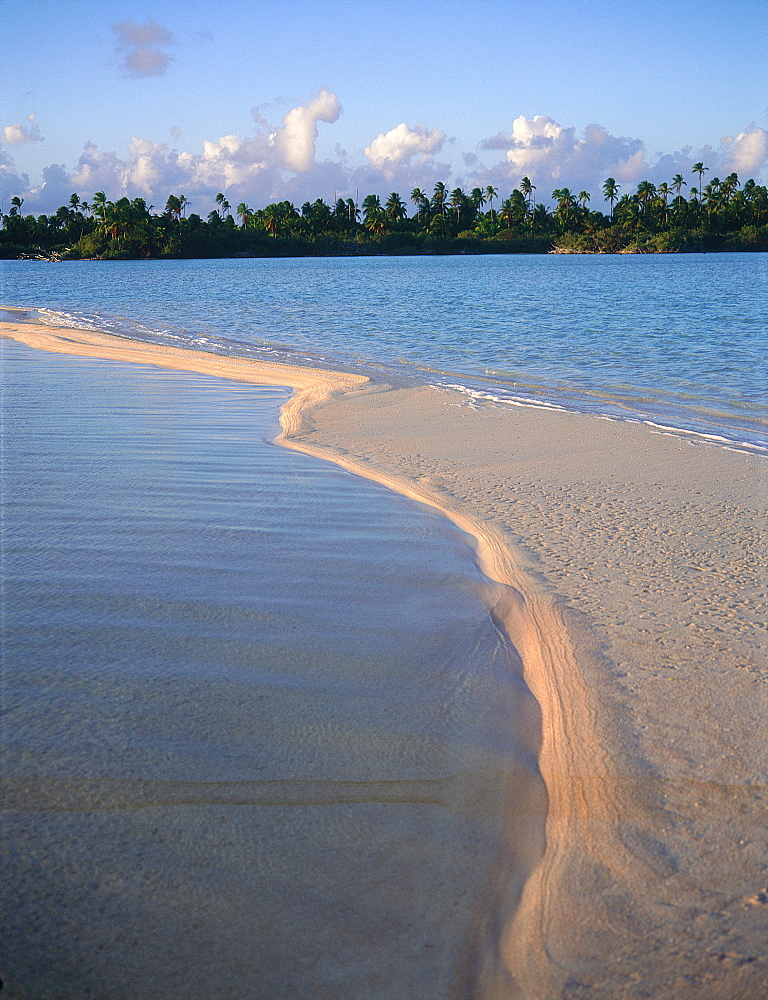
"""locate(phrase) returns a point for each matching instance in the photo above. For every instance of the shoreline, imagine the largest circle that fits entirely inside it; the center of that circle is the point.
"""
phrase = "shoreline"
(529, 486)
(55, 256)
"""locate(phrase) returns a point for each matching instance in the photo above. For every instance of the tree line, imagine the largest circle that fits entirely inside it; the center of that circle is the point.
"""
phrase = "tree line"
(669, 217)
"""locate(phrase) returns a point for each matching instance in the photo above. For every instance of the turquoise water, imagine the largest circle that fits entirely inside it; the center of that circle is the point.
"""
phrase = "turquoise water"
(677, 339)
(257, 720)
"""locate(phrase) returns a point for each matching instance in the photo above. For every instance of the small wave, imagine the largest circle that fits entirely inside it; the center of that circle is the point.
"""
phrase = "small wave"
(731, 443)
(490, 397)
(634, 407)
(756, 447)
(118, 326)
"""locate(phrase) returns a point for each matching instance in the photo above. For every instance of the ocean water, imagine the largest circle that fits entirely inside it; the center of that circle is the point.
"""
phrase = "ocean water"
(679, 340)
(257, 723)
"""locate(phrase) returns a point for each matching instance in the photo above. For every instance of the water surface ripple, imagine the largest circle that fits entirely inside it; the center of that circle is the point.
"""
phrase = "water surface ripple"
(676, 339)
(257, 721)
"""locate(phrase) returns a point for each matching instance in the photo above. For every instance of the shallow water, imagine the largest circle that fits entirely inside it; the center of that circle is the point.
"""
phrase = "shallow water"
(257, 718)
(677, 339)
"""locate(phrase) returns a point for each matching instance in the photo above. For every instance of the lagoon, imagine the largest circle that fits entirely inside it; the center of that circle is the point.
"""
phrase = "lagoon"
(257, 719)
(678, 339)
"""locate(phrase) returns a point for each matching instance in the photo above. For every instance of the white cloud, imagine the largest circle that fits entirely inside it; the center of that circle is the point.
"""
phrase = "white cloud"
(230, 162)
(19, 135)
(553, 155)
(280, 162)
(546, 151)
(256, 168)
(392, 150)
(745, 154)
(296, 139)
(142, 46)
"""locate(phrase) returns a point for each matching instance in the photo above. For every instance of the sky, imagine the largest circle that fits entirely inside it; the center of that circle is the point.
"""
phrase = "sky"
(303, 99)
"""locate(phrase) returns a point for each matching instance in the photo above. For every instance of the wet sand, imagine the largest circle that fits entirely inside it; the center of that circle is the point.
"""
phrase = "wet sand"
(629, 566)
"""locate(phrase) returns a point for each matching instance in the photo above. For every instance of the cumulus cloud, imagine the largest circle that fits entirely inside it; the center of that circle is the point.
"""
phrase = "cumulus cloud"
(552, 155)
(11, 182)
(20, 135)
(543, 149)
(280, 162)
(296, 139)
(746, 153)
(392, 150)
(141, 47)
(253, 168)
(54, 190)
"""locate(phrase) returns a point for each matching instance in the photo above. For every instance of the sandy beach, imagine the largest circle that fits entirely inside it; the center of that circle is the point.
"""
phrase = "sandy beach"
(627, 566)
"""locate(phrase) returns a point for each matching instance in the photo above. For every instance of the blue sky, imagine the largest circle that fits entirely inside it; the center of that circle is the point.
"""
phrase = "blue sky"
(305, 99)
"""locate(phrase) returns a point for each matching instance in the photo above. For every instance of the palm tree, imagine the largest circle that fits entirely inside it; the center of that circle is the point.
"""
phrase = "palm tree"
(395, 207)
(507, 212)
(712, 191)
(270, 219)
(61, 218)
(700, 169)
(119, 220)
(565, 204)
(99, 205)
(458, 201)
(728, 186)
(373, 215)
(244, 213)
(353, 211)
(645, 192)
(491, 193)
(375, 222)
(476, 200)
(610, 192)
(223, 204)
(738, 205)
(665, 191)
(172, 206)
(527, 188)
(628, 212)
(520, 207)
(540, 218)
(16, 204)
(439, 196)
(583, 197)
(319, 215)
(678, 183)
(371, 207)
(130, 220)
(421, 201)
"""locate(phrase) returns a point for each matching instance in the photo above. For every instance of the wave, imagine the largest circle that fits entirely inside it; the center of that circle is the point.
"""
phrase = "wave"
(732, 441)
(694, 417)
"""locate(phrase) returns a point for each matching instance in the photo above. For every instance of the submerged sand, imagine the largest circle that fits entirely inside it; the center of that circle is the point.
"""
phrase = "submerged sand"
(629, 566)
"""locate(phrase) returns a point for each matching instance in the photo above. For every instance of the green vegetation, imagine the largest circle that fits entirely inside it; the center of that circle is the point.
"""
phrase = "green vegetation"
(722, 215)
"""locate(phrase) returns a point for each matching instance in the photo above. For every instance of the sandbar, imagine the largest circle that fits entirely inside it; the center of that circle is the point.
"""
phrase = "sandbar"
(628, 566)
